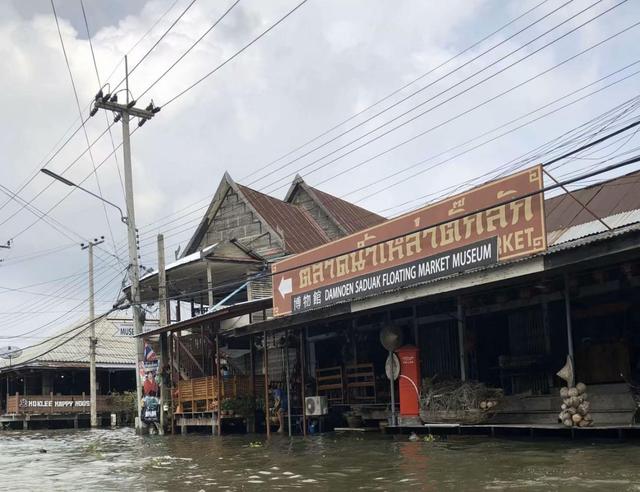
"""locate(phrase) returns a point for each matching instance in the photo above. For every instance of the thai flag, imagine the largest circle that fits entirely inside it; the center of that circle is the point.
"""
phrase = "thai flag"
(149, 354)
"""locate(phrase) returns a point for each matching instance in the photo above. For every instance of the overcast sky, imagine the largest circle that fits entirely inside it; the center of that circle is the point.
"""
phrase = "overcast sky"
(326, 62)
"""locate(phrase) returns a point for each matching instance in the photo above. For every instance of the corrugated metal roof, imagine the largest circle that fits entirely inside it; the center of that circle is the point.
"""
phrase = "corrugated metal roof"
(593, 227)
(604, 199)
(299, 231)
(73, 347)
(351, 217)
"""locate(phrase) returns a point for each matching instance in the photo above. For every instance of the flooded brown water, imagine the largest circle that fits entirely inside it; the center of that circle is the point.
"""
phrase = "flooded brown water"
(105, 460)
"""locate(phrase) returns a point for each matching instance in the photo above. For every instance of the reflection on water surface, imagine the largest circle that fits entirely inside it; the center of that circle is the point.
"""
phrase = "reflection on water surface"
(120, 460)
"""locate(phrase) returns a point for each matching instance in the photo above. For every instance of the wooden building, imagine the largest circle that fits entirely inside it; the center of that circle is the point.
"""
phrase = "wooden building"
(509, 325)
(48, 384)
(217, 282)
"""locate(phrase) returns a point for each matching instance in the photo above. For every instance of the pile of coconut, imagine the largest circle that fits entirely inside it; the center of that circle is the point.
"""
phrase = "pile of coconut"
(575, 406)
(488, 404)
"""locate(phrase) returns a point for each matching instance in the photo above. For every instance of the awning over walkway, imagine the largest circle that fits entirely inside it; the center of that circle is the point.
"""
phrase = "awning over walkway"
(594, 248)
(230, 265)
(222, 313)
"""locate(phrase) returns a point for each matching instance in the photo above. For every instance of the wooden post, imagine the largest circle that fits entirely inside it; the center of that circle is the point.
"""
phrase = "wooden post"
(219, 383)
(202, 350)
(353, 343)
(252, 366)
(265, 365)
(302, 382)
(288, 380)
(210, 284)
(170, 342)
(177, 354)
(546, 327)
(461, 323)
(567, 307)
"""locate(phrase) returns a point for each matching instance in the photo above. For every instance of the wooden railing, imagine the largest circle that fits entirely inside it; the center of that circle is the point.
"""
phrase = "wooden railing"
(61, 404)
(201, 394)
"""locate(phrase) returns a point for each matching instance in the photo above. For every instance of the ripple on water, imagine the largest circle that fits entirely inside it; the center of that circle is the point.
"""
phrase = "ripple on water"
(119, 460)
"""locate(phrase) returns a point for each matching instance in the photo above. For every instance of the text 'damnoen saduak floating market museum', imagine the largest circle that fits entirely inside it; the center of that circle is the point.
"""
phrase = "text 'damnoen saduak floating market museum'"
(512, 307)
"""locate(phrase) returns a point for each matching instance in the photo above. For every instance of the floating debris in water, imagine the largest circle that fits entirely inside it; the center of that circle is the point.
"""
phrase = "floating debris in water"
(255, 444)
(413, 436)
(429, 438)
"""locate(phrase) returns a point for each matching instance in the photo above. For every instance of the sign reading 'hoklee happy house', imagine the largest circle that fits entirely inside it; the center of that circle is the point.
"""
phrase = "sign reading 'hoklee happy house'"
(407, 250)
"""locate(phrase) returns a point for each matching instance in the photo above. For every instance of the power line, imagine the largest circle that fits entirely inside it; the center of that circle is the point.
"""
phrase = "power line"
(46, 161)
(505, 168)
(84, 129)
(546, 105)
(87, 325)
(546, 189)
(423, 88)
(71, 287)
(72, 189)
(404, 142)
(69, 166)
(193, 45)
(156, 43)
(511, 166)
(236, 54)
(182, 223)
(95, 66)
(75, 307)
(439, 163)
(398, 90)
(454, 96)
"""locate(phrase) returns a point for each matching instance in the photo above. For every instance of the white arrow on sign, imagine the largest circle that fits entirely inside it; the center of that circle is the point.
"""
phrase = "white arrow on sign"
(285, 287)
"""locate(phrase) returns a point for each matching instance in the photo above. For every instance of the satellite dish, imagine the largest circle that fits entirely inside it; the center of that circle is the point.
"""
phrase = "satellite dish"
(391, 337)
(10, 352)
(392, 363)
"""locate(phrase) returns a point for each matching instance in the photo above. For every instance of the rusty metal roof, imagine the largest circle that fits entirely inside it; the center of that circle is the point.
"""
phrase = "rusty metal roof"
(297, 228)
(351, 217)
(604, 199)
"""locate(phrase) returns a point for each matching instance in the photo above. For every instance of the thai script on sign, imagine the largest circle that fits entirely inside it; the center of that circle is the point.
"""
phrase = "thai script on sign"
(492, 221)
(508, 212)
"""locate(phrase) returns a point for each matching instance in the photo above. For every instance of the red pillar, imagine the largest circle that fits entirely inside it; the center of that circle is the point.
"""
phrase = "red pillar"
(409, 381)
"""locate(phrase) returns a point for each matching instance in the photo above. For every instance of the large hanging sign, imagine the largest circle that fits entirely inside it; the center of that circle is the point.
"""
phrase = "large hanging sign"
(452, 236)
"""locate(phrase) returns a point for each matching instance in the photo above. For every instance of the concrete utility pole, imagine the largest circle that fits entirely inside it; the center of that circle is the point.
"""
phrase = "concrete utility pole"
(92, 337)
(164, 321)
(124, 112)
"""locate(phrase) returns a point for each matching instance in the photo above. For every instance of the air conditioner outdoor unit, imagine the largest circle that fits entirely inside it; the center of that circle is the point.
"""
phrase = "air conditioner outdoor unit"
(316, 405)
